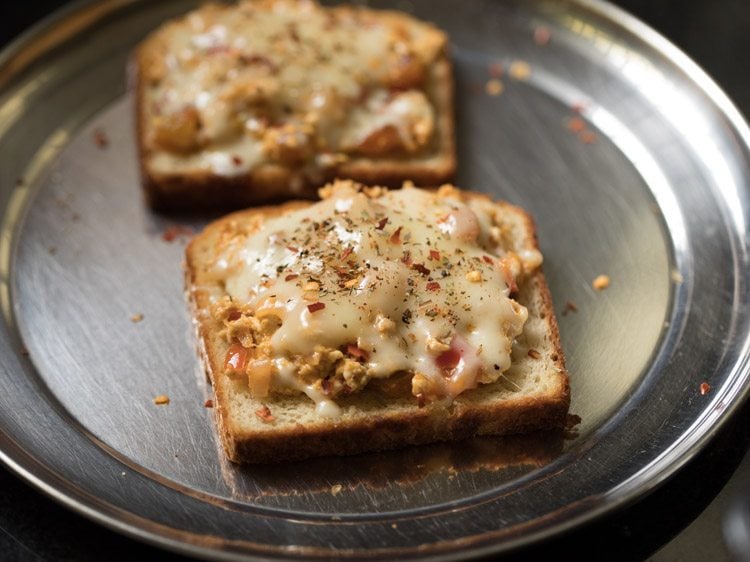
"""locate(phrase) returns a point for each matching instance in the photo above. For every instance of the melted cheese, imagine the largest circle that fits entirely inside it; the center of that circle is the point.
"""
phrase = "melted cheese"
(338, 75)
(410, 278)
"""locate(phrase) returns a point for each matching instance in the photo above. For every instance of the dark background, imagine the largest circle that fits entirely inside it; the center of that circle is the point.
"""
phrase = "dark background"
(685, 514)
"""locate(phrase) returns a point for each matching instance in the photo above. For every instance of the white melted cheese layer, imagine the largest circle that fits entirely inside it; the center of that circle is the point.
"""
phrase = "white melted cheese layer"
(302, 63)
(397, 275)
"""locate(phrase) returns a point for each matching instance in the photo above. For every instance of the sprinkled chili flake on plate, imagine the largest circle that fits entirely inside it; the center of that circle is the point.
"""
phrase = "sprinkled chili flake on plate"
(100, 138)
(208, 403)
(434, 255)
(381, 223)
(570, 306)
(176, 231)
(496, 69)
(587, 137)
(542, 35)
(705, 388)
(433, 286)
(576, 124)
(291, 277)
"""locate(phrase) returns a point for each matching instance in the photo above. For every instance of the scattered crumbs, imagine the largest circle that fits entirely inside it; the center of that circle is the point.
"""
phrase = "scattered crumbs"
(100, 138)
(494, 87)
(676, 277)
(576, 124)
(176, 231)
(534, 354)
(208, 403)
(572, 420)
(394, 526)
(496, 70)
(122, 474)
(705, 388)
(264, 413)
(336, 489)
(52, 250)
(542, 35)
(135, 318)
(520, 70)
(161, 400)
(570, 306)
(601, 282)
(571, 426)
(587, 137)
(24, 351)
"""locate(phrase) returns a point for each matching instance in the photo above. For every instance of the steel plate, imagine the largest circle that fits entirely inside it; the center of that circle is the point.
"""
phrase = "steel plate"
(656, 197)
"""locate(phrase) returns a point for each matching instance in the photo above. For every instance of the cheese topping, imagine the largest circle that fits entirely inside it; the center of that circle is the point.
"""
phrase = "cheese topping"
(280, 81)
(372, 284)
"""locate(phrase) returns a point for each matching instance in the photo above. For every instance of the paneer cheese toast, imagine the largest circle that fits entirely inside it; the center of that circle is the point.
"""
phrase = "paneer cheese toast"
(374, 319)
(268, 99)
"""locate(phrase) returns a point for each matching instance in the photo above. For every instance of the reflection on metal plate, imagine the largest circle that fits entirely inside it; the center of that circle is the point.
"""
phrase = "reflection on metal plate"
(655, 197)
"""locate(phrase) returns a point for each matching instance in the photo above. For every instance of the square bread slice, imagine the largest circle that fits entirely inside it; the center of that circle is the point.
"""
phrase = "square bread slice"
(374, 319)
(269, 99)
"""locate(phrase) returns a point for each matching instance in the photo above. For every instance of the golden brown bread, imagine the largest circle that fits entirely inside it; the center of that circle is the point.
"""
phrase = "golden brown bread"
(533, 394)
(178, 140)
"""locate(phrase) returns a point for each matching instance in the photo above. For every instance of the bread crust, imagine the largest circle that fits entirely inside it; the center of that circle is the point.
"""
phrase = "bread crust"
(270, 182)
(465, 417)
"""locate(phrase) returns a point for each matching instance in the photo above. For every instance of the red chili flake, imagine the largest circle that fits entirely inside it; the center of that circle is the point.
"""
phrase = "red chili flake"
(406, 258)
(381, 223)
(433, 286)
(434, 255)
(496, 69)
(534, 354)
(291, 277)
(421, 268)
(236, 358)
(576, 124)
(355, 351)
(100, 138)
(208, 403)
(345, 254)
(264, 413)
(396, 236)
(316, 306)
(570, 306)
(587, 137)
(292, 249)
(488, 259)
(176, 231)
(448, 360)
(234, 315)
(578, 107)
(236, 160)
(542, 35)
(705, 388)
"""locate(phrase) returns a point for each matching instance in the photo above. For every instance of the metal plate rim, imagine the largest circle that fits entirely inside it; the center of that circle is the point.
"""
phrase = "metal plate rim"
(31, 469)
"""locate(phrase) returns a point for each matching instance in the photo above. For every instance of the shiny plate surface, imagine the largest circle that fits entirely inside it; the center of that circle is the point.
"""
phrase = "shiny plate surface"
(653, 193)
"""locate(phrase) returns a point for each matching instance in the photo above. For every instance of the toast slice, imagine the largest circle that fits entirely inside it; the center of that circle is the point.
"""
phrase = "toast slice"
(374, 319)
(267, 100)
